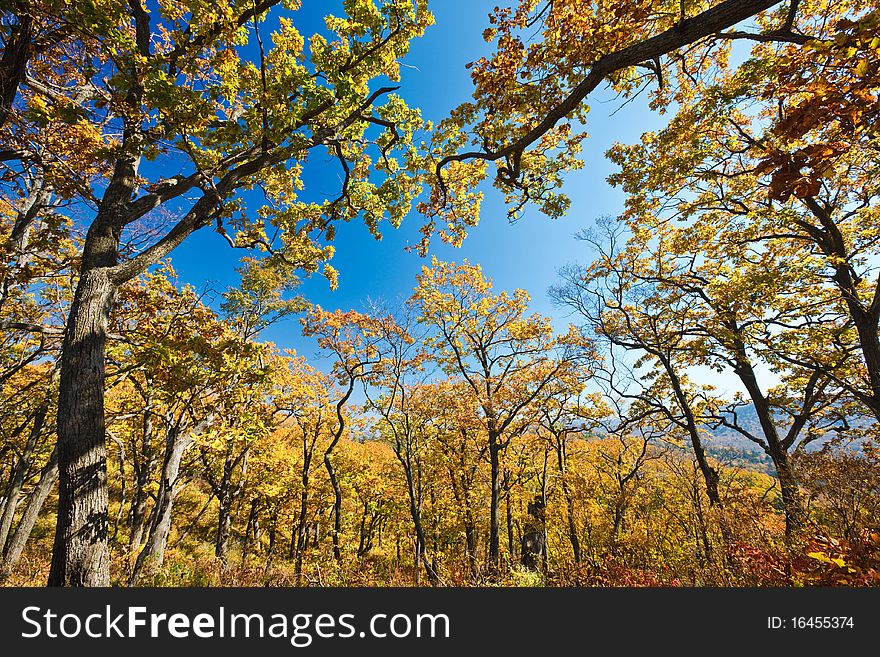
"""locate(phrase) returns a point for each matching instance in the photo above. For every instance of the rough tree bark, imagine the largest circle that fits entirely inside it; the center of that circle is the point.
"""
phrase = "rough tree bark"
(16, 53)
(80, 555)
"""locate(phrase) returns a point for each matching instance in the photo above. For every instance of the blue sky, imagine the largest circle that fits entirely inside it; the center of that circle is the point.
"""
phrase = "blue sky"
(526, 254)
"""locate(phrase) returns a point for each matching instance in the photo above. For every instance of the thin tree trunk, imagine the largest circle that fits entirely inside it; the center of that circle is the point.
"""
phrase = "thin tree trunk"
(511, 545)
(15, 546)
(337, 505)
(791, 502)
(20, 472)
(572, 521)
(227, 494)
(416, 516)
(461, 487)
(331, 472)
(251, 528)
(176, 444)
(142, 470)
(470, 539)
(617, 526)
(300, 536)
(710, 474)
(363, 533)
(701, 524)
(273, 537)
(224, 523)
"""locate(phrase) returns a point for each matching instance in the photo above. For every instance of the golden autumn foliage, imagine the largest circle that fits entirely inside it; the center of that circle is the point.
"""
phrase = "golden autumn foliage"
(709, 417)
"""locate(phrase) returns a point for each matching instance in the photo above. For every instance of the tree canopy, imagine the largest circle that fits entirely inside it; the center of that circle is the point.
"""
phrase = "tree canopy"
(454, 436)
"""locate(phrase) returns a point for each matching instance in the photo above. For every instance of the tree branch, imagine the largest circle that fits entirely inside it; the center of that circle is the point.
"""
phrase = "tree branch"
(711, 21)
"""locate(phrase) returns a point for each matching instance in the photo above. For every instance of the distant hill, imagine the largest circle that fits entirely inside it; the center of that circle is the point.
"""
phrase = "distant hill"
(728, 445)
(725, 437)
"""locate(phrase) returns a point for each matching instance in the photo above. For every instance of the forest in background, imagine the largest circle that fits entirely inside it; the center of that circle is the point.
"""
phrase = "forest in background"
(151, 436)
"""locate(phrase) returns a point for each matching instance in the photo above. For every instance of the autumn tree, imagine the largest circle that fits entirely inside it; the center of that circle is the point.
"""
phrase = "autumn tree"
(507, 357)
(564, 417)
(456, 431)
(607, 295)
(27, 454)
(370, 470)
(761, 210)
(530, 95)
(682, 297)
(153, 90)
(38, 255)
(183, 368)
(396, 389)
(621, 465)
(307, 398)
(153, 395)
(841, 488)
(243, 413)
(353, 340)
(785, 161)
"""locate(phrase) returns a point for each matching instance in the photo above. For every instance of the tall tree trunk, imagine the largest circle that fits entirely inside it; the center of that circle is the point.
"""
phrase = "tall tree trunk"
(300, 537)
(495, 500)
(331, 471)
(508, 516)
(619, 517)
(15, 546)
(572, 523)
(791, 497)
(80, 555)
(865, 317)
(136, 516)
(227, 492)
(470, 539)
(251, 530)
(16, 54)
(364, 543)
(461, 485)
(273, 537)
(869, 342)
(702, 528)
(710, 474)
